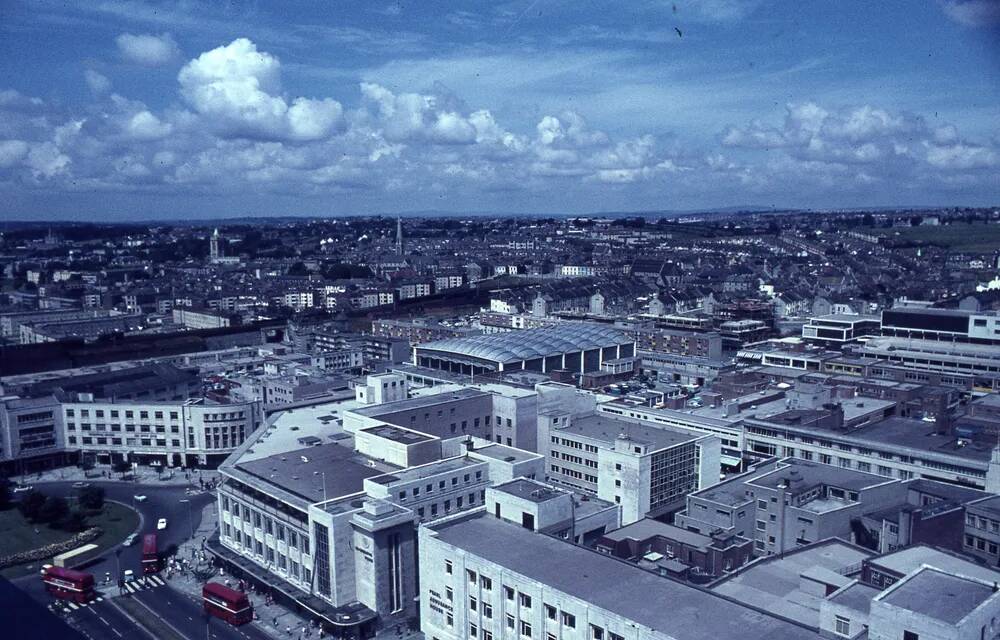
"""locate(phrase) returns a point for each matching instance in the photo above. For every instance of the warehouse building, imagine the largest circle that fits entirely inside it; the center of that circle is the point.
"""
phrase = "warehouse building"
(571, 346)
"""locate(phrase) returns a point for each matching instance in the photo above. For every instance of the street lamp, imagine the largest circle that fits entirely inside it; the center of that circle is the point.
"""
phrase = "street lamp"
(190, 520)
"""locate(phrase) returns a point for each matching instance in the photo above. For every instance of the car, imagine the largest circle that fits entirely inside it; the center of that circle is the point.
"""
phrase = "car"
(128, 575)
(22, 488)
(161, 524)
(130, 540)
(81, 485)
(139, 498)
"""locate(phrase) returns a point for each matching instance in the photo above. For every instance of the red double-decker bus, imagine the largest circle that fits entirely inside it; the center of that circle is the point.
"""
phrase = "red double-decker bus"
(150, 554)
(69, 584)
(228, 604)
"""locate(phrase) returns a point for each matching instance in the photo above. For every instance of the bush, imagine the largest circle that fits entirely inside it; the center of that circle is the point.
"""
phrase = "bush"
(31, 504)
(75, 522)
(54, 510)
(92, 498)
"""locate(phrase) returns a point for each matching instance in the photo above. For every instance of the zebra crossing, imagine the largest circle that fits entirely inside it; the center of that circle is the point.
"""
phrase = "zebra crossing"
(139, 584)
(145, 582)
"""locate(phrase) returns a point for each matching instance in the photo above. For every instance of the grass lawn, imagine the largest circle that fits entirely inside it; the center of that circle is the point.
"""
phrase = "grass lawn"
(958, 236)
(16, 534)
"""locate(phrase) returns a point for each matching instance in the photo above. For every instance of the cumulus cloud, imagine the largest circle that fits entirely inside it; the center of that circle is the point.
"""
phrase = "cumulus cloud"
(146, 126)
(237, 90)
(973, 13)
(12, 152)
(97, 82)
(146, 49)
(417, 117)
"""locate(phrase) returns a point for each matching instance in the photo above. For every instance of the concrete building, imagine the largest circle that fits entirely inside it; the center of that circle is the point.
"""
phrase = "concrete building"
(201, 318)
(648, 470)
(473, 586)
(835, 330)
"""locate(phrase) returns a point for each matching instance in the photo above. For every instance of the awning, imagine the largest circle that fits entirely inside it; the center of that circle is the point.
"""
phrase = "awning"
(730, 461)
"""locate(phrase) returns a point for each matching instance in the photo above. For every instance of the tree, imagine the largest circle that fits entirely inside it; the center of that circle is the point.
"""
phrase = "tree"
(298, 269)
(75, 522)
(31, 504)
(53, 510)
(92, 498)
(5, 493)
(868, 220)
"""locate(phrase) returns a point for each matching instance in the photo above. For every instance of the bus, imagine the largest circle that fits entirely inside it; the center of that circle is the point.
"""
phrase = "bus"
(150, 554)
(68, 584)
(230, 605)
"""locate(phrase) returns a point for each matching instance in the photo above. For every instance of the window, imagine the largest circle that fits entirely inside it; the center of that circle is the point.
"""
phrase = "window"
(525, 601)
(508, 592)
(525, 629)
(449, 620)
(910, 635)
(614, 636)
(486, 583)
(449, 594)
(488, 611)
(448, 567)
(550, 612)
(597, 633)
(510, 621)
(569, 620)
(473, 631)
(762, 504)
(471, 575)
(843, 626)
(473, 604)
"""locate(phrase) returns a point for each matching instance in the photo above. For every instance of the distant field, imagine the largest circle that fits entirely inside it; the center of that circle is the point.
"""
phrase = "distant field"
(974, 238)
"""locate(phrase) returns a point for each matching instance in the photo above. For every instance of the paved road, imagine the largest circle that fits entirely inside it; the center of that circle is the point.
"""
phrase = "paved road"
(161, 502)
(187, 617)
(105, 620)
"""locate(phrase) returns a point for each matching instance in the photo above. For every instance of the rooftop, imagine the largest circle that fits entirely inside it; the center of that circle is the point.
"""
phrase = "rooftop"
(397, 434)
(531, 343)
(602, 581)
(304, 472)
(939, 595)
(906, 561)
(804, 475)
(419, 402)
(603, 428)
(531, 490)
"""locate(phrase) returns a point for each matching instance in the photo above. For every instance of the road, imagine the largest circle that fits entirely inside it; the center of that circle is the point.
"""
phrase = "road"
(105, 620)
(161, 502)
(187, 617)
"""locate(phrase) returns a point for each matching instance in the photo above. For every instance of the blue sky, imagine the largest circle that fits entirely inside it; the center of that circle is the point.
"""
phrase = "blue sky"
(134, 110)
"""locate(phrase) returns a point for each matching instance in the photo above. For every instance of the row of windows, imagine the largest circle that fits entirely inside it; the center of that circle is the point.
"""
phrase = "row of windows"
(523, 601)
(980, 522)
(429, 487)
(446, 505)
(115, 413)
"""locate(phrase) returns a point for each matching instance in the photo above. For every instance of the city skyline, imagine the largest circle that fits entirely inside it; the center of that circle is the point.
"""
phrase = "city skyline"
(135, 111)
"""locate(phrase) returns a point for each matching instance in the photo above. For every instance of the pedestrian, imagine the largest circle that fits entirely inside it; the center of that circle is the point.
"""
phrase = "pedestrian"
(288, 630)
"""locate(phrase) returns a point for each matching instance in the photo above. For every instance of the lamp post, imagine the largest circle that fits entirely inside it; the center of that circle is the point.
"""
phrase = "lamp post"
(190, 520)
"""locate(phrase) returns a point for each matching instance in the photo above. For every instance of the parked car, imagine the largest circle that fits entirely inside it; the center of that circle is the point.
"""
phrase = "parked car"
(139, 498)
(130, 540)
(161, 524)
(81, 485)
(22, 488)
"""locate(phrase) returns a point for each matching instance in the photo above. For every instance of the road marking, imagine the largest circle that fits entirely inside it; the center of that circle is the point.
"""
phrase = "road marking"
(117, 632)
(102, 619)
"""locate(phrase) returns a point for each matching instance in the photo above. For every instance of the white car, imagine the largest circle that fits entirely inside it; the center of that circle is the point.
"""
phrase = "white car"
(128, 575)
(130, 540)
(22, 488)
(161, 524)
(139, 498)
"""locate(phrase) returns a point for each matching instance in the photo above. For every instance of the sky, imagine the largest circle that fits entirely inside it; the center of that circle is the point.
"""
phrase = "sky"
(127, 111)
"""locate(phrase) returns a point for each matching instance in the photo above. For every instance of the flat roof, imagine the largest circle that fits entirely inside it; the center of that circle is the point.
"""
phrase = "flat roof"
(811, 474)
(531, 490)
(505, 453)
(908, 560)
(774, 583)
(933, 593)
(397, 434)
(856, 596)
(648, 528)
(303, 472)
(529, 344)
(604, 428)
(659, 603)
(419, 402)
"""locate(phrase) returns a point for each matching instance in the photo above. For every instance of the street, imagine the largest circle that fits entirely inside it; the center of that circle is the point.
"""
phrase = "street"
(161, 502)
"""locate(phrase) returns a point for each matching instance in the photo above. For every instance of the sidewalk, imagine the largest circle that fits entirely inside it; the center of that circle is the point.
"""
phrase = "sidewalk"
(273, 619)
(103, 473)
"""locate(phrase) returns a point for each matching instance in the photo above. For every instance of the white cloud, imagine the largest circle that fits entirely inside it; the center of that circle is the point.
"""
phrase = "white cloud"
(146, 126)
(973, 13)
(146, 49)
(236, 89)
(46, 161)
(97, 82)
(12, 152)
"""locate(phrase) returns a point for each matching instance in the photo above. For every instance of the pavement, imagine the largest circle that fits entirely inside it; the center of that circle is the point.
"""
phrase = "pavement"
(152, 476)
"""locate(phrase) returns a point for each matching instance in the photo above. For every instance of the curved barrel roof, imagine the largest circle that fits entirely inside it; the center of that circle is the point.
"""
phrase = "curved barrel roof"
(531, 343)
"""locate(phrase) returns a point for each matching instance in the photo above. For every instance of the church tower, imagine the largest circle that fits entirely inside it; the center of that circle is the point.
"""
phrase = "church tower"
(213, 245)
(399, 236)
